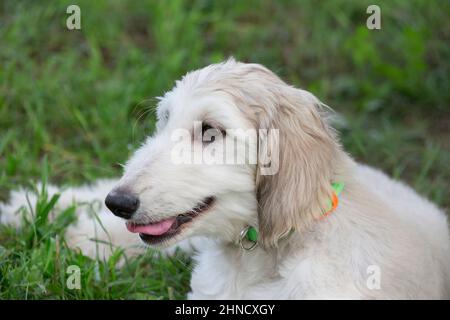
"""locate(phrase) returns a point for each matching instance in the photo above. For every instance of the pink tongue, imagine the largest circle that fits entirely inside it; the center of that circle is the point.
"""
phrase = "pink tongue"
(154, 229)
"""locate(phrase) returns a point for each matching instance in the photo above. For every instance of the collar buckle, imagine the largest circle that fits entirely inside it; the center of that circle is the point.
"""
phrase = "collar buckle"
(248, 238)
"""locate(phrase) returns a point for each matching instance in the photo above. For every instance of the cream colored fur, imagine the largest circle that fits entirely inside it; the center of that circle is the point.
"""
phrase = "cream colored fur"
(379, 223)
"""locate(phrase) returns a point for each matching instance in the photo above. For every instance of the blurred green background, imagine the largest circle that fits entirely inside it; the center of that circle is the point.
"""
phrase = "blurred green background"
(82, 99)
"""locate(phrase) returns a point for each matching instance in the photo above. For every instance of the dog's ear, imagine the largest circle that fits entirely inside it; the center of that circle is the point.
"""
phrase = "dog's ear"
(295, 190)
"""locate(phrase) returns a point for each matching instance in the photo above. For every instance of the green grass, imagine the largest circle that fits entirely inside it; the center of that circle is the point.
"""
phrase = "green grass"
(81, 100)
(34, 265)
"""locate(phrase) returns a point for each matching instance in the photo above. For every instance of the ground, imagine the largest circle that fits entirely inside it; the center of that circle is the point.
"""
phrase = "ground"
(75, 104)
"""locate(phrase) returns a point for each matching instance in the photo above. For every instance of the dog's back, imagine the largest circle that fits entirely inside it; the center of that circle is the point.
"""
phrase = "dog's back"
(430, 222)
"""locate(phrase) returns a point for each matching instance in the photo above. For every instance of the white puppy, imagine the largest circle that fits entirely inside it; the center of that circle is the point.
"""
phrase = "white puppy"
(303, 222)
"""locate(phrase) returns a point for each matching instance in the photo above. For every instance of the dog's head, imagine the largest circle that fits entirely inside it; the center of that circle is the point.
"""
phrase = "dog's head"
(234, 146)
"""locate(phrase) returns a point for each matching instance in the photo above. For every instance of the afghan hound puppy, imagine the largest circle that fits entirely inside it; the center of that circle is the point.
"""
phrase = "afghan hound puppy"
(247, 170)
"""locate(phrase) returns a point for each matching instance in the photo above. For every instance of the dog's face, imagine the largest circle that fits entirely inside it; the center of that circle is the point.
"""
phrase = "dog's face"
(180, 198)
(186, 180)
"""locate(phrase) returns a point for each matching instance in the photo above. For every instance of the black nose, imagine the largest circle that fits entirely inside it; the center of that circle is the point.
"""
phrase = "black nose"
(122, 204)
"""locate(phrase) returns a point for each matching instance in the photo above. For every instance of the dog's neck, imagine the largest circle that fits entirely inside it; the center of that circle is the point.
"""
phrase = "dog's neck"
(247, 238)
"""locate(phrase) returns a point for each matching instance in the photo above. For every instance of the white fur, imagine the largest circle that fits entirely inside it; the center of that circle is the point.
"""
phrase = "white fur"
(378, 222)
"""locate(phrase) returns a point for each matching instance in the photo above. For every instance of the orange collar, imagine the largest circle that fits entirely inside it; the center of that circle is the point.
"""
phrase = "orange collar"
(334, 201)
(250, 234)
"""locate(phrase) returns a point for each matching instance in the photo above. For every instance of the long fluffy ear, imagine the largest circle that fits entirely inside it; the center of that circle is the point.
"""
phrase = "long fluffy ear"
(300, 190)
(306, 153)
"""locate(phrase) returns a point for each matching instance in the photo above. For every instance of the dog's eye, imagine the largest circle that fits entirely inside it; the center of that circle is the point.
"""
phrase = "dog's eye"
(209, 133)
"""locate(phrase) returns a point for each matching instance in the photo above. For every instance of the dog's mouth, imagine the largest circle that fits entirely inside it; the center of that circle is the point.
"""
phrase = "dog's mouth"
(159, 231)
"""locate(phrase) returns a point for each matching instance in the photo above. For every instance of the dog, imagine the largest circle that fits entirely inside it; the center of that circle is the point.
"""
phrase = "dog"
(305, 221)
